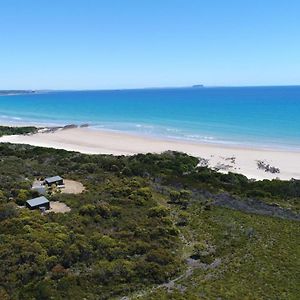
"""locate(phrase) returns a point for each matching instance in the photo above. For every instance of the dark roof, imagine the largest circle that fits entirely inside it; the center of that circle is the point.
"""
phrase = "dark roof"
(53, 179)
(37, 201)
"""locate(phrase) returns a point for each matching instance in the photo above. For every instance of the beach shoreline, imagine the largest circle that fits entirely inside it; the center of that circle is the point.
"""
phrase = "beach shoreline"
(251, 162)
(216, 143)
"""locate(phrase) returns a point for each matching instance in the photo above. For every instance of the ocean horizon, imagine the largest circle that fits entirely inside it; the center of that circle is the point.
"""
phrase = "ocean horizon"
(266, 117)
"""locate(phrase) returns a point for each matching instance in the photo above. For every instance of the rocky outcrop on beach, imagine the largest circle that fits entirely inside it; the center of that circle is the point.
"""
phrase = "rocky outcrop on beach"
(53, 129)
(69, 126)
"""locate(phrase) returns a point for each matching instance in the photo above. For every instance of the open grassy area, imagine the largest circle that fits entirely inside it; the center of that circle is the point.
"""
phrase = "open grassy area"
(258, 258)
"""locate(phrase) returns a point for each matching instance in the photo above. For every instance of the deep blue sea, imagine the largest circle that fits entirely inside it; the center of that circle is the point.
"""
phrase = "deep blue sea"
(252, 116)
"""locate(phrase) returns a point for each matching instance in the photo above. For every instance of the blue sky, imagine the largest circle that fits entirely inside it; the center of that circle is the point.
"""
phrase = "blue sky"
(94, 44)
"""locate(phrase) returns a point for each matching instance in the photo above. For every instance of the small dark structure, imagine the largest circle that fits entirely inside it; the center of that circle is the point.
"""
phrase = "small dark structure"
(54, 180)
(38, 203)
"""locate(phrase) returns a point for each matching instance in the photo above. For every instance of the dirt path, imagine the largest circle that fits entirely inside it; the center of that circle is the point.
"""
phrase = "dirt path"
(172, 284)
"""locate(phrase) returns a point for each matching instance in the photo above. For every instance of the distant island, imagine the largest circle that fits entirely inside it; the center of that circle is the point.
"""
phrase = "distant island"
(15, 92)
(198, 86)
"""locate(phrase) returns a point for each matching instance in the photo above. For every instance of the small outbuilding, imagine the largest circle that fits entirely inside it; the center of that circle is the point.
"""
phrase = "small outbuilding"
(38, 203)
(57, 180)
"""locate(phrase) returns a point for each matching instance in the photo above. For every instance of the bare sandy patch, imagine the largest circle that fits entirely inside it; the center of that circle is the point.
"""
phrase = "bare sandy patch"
(58, 207)
(72, 187)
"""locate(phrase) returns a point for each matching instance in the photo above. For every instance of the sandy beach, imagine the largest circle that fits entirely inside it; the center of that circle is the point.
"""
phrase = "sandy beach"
(223, 158)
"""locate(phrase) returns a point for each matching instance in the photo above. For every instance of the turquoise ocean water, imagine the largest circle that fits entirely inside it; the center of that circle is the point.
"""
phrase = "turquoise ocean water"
(252, 116)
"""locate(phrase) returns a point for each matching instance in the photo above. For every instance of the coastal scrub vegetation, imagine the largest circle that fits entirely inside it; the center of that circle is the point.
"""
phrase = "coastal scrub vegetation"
(146, 227)
(7, 130)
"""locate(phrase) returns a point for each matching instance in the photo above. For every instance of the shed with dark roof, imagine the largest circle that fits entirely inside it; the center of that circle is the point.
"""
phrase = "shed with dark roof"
(54, 180)
(38, 202)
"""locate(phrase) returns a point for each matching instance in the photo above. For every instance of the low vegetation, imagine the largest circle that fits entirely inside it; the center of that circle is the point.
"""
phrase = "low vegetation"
(6, 130)
(145, 227)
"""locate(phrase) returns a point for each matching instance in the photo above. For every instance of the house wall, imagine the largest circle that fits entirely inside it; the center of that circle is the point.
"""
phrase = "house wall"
(47, 205)
(59, 182)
